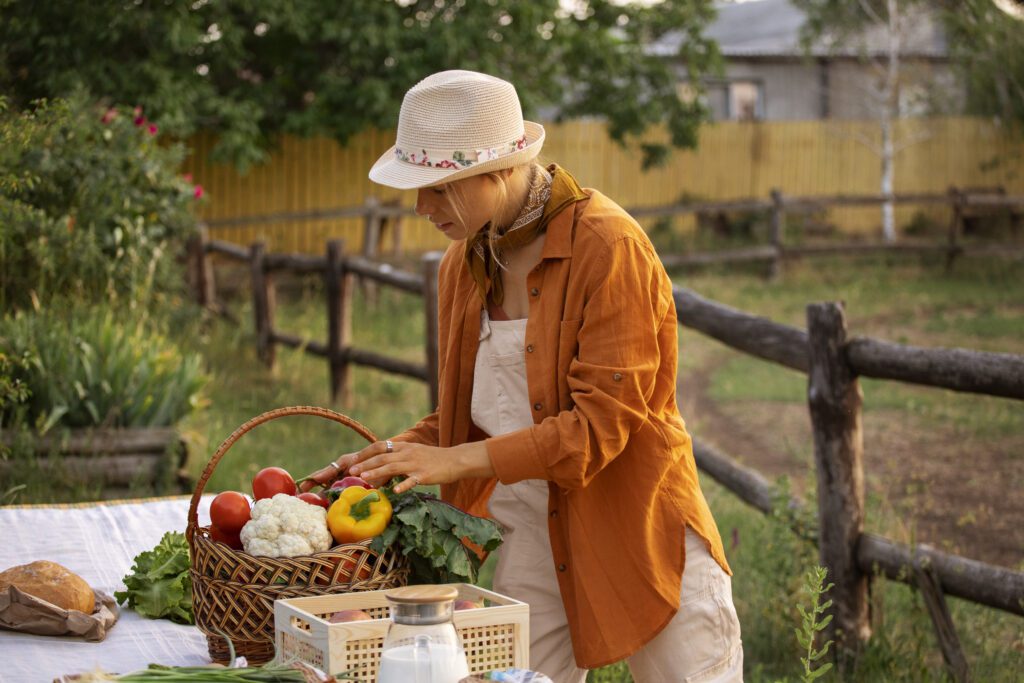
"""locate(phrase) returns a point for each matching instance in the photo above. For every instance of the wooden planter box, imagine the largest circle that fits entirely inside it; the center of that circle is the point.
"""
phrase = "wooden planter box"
(119, 460)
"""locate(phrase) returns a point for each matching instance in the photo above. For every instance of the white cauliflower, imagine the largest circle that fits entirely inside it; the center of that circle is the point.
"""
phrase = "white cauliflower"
(286, 526)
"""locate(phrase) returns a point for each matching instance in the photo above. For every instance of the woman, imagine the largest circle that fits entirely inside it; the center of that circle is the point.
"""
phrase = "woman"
(557, 409)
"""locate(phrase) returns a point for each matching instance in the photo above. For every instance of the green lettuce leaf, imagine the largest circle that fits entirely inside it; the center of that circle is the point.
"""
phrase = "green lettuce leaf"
(159, 585)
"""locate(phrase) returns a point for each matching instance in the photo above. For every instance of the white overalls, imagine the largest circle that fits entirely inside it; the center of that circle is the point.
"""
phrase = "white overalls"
(702, 643)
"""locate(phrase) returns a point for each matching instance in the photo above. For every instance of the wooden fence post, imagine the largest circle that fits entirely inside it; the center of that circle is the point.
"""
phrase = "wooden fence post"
(431, 265)
(201, 269)
(775, 233)
(834, 398)
(958, 200)
(338, 283)
(396, 230)
(263, 303)
(371, 244)
(928, 583)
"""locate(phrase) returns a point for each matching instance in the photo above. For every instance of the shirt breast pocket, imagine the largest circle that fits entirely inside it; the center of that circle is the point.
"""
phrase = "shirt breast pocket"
(504, 360)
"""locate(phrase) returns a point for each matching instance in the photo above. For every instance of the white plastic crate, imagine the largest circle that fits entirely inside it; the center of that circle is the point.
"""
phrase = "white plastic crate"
(495, 637)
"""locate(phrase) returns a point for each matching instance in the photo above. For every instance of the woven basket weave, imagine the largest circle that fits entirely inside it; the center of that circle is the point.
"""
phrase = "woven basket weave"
(233, 592)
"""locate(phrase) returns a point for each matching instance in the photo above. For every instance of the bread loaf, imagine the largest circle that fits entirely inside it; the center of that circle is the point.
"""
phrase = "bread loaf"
(51, 582)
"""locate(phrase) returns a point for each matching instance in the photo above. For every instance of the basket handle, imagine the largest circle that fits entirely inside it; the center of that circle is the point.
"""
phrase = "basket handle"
(326, 413)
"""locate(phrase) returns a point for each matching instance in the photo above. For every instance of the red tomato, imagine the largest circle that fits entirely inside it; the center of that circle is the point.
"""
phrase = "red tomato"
(270, 481)
(229, 511)
(314, 499)
(227, 538)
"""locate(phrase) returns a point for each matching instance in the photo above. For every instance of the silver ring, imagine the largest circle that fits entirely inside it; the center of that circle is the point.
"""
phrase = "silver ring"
(334, 465)
(388, 446)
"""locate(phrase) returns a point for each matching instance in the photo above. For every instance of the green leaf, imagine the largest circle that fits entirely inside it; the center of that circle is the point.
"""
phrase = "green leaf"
(159, 584)
(431, 533)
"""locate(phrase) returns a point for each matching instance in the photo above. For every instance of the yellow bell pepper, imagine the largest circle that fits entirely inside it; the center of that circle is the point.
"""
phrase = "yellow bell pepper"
(358, 514)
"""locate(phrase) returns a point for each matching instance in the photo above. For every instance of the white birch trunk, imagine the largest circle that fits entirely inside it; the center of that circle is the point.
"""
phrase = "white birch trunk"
(890, 111)
(888, 212)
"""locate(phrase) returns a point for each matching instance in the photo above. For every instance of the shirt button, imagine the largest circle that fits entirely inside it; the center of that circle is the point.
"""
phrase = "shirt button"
(554, 513)
(529, 348)
(562, 567)
(617, 377)
(538, 406)
(534, 292)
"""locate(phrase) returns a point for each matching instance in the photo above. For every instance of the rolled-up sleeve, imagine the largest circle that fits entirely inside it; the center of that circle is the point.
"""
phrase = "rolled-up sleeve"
(611, 378)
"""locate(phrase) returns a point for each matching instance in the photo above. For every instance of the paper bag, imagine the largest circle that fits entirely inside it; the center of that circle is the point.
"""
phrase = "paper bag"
(20, 611)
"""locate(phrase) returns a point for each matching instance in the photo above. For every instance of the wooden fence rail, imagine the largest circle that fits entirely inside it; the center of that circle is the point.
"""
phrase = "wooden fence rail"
(833, 363)
(963, 202)
(978, 582)
(339, 271)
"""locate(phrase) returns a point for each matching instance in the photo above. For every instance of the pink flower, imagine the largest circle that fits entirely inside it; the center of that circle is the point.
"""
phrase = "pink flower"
(152, 129)
(187, 177)
(109, 115)
(197, 193)
(139, 120)
(137, 111)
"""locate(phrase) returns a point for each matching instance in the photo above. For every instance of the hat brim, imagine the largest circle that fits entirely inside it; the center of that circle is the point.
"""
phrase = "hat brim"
(402, 175)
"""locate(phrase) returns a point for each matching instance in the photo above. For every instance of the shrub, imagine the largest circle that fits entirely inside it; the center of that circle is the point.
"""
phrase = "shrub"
(91, 205)
(90, 369)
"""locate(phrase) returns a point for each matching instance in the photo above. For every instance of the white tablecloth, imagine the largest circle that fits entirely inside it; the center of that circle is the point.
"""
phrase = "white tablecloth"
(98, 541)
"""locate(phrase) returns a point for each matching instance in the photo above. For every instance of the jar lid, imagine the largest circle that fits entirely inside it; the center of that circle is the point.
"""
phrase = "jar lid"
(425, 594)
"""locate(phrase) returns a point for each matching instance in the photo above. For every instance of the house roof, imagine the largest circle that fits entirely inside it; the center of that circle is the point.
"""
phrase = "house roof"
(771, 28)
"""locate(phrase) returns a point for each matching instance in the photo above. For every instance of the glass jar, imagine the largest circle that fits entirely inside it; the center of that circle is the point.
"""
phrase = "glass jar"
(422, 645)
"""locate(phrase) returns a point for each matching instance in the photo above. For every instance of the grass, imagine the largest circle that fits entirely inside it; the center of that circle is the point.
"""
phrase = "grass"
(382, 402)
(978, 306)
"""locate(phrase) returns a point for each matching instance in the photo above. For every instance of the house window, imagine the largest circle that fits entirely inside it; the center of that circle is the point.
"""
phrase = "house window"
(745, 101)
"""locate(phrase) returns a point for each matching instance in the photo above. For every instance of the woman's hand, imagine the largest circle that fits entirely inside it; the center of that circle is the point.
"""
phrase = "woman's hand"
(326, 475)
(420, 464)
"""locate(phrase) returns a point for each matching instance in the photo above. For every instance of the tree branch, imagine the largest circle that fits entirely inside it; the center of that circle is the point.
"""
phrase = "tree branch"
(868, 10)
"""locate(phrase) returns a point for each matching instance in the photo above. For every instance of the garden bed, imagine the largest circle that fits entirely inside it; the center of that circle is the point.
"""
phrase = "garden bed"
(116, 460)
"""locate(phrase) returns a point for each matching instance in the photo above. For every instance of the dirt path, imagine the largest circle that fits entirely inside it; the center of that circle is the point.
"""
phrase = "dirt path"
(952, 490)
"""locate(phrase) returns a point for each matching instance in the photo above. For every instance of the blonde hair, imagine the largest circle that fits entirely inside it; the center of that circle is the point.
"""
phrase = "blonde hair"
(513, 187)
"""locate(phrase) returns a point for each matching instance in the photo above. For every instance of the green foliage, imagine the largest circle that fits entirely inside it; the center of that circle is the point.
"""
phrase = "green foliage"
(615, 673)
(811, 624)
(91, 205)
(250, 70)
(89, 368)
(431, 532)
(987, 46)
(159, 584)
(13, 390)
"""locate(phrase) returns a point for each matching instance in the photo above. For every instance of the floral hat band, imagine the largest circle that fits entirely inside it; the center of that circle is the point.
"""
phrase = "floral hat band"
(458, 158)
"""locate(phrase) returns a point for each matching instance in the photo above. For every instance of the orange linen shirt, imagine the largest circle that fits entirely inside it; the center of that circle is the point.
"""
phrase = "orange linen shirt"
(601, 353)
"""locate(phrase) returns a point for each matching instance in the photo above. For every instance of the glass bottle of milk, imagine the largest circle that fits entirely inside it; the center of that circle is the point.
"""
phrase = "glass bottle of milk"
(422, 645)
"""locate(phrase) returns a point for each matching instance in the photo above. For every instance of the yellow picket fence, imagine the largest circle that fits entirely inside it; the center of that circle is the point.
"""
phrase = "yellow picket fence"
(732, 161)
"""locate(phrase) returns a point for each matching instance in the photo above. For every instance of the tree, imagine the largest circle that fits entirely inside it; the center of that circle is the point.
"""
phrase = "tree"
(250, 70)
(844, 26)
(987, 45)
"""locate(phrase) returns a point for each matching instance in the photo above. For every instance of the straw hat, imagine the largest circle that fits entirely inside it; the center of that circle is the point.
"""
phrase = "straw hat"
(457, 124)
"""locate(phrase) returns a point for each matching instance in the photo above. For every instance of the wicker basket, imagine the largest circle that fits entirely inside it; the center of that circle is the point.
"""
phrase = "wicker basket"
(494, 637)
(233, 592)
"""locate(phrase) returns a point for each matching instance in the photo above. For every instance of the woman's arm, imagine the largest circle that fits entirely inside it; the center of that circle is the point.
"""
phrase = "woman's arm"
(611, 378)
(624, 365)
